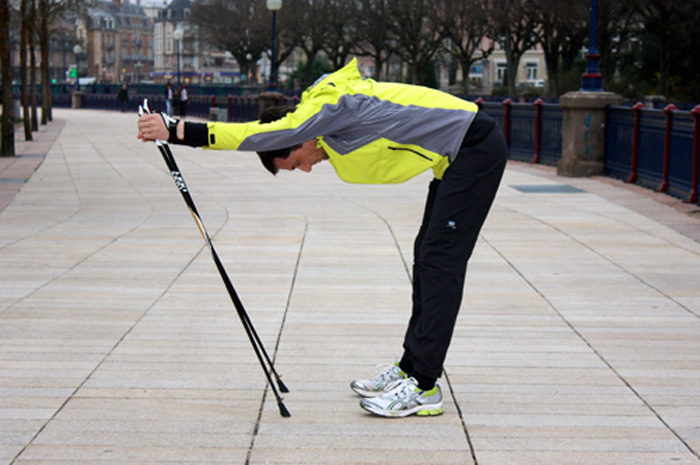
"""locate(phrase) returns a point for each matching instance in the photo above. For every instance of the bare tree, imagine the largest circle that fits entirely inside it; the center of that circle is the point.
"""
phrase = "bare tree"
(413, 33)
(372, 32)
(313, 29)
(663, 19)
(515, 32)
(341, 31)
(463, 24)
(24, 97)
(43, 35)
(617, 23)
(48, 10)
(7, 145)
(242, 27)
(32, 65)
(289, 32)
(562, 29)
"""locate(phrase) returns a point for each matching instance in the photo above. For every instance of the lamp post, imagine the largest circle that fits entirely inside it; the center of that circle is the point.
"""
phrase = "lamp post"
(273, 6)
(77, 50)
(177, 35)
(592, 79)
(137, 66)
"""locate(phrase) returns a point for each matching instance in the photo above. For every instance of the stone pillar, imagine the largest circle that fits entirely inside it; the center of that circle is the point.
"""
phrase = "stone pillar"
(583, 132)
(269, 99)
(77, 99)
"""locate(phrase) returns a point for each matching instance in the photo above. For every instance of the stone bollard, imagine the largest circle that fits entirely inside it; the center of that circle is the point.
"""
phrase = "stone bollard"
(77, 99)
(269, 99)
(583, 132)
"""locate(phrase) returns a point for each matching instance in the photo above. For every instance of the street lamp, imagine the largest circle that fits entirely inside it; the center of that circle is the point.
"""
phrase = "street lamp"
(137, 66)
(592, 79)
(177, 35)
(77, 50)
(273, 6)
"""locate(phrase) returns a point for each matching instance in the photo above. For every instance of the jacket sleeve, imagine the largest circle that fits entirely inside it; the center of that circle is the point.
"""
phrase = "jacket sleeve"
(316, 116)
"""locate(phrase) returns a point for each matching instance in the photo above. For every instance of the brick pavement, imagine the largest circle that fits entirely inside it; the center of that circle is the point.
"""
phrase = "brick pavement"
(577, 342)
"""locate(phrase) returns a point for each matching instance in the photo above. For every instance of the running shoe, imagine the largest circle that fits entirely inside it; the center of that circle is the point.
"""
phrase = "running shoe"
(404, 398)
(375, 386)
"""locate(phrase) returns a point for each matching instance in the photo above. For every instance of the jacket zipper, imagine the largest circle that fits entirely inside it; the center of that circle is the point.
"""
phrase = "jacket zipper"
(411, 150)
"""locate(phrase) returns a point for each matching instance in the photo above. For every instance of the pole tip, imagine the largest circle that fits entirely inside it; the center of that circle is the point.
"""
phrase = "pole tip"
(283, 410)
(282, 386)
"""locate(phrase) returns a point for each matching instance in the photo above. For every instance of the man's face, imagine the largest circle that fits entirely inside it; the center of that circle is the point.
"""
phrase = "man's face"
(302, 158)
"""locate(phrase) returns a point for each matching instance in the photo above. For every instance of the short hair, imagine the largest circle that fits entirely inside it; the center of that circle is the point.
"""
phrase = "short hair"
(268, 157)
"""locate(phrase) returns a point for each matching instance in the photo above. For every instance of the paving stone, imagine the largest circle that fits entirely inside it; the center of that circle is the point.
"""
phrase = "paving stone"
(576, 343)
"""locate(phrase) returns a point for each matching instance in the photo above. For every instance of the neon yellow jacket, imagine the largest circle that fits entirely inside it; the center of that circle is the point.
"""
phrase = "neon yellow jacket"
(373, 132)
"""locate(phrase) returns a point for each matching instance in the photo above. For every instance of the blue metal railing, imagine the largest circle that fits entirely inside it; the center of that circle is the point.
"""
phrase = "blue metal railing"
(534, 132)
(520, 122)
(619, 129)
(651, 147)
(551, 131)
(664, 146)
(522, 131)
(679, 173)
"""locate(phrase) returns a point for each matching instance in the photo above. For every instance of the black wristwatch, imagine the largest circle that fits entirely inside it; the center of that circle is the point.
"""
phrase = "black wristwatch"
(196, 134)
(172, 129)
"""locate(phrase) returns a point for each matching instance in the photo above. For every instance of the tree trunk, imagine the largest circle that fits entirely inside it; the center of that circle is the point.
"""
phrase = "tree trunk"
(551, 59)
(7, 145)
(512, 63)
(466, 64)
(44, 50)
(377, 67)
(24, 98)
(664, 67)
(309, 71)
(32, 65)
(254, 73)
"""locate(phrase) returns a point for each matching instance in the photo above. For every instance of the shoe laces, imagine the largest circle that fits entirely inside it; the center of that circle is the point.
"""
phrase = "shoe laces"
(384, 372)
(403, 388)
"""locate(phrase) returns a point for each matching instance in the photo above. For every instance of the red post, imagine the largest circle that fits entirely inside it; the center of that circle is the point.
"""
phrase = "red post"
(212, 103)
(538, 129)
(637, 109)
(506, 120)
(668, 111)
(693, 195)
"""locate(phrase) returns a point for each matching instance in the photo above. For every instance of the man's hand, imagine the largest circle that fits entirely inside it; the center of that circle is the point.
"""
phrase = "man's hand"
(152, 127)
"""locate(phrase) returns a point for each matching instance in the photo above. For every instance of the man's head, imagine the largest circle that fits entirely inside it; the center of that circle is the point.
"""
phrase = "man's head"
(301, 156)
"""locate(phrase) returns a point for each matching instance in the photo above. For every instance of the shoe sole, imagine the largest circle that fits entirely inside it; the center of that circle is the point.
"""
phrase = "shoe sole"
(367, 394)
(421, 411)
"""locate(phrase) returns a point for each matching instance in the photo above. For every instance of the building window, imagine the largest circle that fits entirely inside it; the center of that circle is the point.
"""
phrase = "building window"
(169, 38)
(531, 71)
(476, 70)
(501, 73)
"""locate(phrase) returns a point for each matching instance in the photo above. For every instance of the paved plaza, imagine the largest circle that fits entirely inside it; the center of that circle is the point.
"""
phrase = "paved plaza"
(578, 341)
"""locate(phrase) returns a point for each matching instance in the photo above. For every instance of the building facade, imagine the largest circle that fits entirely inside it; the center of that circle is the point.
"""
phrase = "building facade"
(187, 58)
(117, 40)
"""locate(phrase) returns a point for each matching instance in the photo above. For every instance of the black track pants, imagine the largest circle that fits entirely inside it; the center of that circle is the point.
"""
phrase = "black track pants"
(455, 211)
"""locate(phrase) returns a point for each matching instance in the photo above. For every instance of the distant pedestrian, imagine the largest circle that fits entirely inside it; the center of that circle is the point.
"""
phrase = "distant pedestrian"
(123, 98)
(169, 99)
(183, 99)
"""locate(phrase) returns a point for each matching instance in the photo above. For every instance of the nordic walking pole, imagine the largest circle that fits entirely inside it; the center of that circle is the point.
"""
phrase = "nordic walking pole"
(253, 336)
